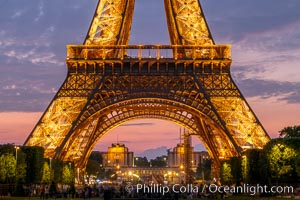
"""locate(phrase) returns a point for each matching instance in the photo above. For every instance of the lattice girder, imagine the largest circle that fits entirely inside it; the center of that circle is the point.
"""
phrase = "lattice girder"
(241, 122)
(186, 23)
(55, 124)
(114, 115)
(111, 23)
(180, 88)
(113, 18)
(79, 85)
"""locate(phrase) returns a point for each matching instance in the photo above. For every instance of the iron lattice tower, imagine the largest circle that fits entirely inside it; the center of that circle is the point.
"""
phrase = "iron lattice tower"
(110, 82)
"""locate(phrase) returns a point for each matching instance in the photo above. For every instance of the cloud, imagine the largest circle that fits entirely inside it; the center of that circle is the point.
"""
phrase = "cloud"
(293, 97)
(18, 14)
(36, 51)
(25, 95)
(34, 56)
(265, 64)
(125, 141)
(283, 91)
(139, 124)
(269, 55)
(4, 131)
(40, 11)
(234, 19)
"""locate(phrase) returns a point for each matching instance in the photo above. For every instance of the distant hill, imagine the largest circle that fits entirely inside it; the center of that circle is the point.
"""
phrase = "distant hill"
(160, 151)
(153, 153)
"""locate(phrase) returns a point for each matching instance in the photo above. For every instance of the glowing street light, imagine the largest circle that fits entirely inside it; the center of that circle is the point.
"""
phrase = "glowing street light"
(181, 167)
(17, 148)
(50, 179)
(78, 174)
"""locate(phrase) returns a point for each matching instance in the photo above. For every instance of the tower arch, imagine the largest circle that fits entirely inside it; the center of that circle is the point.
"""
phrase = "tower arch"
(79, 144)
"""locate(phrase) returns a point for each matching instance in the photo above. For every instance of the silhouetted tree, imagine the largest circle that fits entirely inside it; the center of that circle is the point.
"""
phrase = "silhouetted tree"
(96, 156)
(204, 169)
(290, 131)
(160, 161)
(254, 166)
(141, 162)
(7, 148)
(93, 168)
(34, 162)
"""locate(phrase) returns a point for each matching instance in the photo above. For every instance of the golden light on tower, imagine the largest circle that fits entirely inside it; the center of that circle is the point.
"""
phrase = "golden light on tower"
(106, 87)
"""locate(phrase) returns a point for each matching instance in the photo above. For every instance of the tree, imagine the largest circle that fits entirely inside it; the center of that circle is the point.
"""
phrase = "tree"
(141, 162)
(236, 171)
(7, 148)
(290, 132)
(96, 156)
(56, 170)
(280, 160)
(67, 177)
(282, 155)
(21, 166)
(7, 168)
(46, 173)
(93, 167)
(226, 176)
(204, 169)
(34, 162)
(254, 167)
(160, 161)
(297, 164)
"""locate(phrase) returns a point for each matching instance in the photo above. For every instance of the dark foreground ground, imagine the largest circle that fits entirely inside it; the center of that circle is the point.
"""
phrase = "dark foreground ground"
(229, 198)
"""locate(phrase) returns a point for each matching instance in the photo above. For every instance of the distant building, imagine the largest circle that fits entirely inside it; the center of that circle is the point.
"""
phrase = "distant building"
(117, 155)
(129, 168)
(176, 156)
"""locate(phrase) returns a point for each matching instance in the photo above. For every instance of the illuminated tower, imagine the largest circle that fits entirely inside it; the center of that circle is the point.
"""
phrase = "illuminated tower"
(110, 82)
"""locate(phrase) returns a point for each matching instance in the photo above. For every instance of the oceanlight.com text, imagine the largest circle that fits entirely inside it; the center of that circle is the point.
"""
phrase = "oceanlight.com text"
(211, 188)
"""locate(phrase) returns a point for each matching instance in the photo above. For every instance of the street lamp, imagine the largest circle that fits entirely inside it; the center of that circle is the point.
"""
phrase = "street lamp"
(78, 174)
(17, 148)
(50, 179)
(130, 175)
(181, 167)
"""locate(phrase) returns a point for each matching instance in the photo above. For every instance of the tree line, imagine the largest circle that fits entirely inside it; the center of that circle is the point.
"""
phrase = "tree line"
(27, 165)
(277, 163)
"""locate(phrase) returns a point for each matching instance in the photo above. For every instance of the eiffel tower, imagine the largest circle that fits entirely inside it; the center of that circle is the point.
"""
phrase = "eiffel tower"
(110, 83)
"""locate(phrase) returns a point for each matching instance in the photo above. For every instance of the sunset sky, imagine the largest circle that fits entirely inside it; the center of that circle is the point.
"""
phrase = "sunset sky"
(265, 38)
